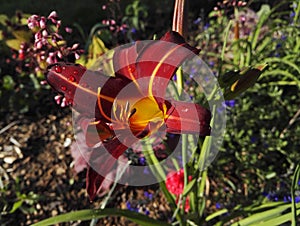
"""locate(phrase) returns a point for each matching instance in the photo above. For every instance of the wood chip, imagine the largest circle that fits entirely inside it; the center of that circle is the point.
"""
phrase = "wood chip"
(10, 159)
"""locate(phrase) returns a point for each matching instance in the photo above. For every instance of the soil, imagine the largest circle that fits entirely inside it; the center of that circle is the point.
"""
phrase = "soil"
(36, 165)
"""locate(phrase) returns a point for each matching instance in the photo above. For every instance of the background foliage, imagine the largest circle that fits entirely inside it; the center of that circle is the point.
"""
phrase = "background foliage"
(261, 147)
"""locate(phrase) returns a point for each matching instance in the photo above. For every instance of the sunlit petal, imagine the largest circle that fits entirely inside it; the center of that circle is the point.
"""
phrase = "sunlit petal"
(186, 117)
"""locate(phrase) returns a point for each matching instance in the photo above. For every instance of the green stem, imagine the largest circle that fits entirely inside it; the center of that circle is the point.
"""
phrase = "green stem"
(297, 11)
(159, 173)
(293, 188)
(184, 165)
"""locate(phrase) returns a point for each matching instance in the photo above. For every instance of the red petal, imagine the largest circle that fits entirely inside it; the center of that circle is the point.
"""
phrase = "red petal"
(78, 85)
(162, 58)
(64, 78)
(103, 159)
(124, 59)
(187, 117)
(93, 182)
(167, 52)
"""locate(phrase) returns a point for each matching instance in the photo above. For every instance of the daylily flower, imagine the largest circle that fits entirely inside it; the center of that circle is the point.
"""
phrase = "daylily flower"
(132, 104)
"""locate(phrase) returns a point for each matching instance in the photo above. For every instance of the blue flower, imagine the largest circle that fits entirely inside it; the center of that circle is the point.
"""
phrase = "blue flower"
(147, 212)
(142, 161)
(230, 103)
(279, 45)
(133, 30)
(292, 14)
(175, 77)
(128, 205)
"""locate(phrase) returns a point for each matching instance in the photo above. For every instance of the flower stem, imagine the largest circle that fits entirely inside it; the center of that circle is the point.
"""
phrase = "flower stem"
(180, 17)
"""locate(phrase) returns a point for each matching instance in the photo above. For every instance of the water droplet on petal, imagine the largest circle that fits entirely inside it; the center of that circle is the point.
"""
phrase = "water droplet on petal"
(71, 79)
(58, 69)
(63, 88)
(75, 72)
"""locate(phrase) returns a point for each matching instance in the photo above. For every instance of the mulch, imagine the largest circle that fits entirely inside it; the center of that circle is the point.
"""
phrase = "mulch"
(36, 163)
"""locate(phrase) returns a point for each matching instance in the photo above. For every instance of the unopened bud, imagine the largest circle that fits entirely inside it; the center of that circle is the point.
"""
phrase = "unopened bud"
(243, 80)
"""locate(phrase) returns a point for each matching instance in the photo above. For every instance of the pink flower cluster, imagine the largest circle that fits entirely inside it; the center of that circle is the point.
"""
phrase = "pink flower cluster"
(230, 3)
(49, 45)
(113, 26)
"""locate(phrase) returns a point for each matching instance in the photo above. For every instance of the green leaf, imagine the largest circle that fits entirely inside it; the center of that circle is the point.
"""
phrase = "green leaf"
(84, 215)
(8, 82)
(16, 206)
(293, 188)
(14, 43)
(95, 50)
(263, 14)
(273, 60)
(262, 216)
(278, 220)
(189, 187)
(3, 19)
(280, 73)
(22, 35)
(216, 214)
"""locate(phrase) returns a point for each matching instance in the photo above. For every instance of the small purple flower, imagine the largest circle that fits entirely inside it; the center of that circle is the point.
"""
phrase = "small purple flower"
(279, 45)
(128, 205)
(142, 161)
(147, 212)
(292, 14)
(148, 195)
(197, 21)
(175, 78)
(206, 26)
(230, 103)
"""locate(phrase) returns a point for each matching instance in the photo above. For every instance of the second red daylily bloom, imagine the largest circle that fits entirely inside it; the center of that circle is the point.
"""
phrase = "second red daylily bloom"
(175, 185)
(132, 104)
